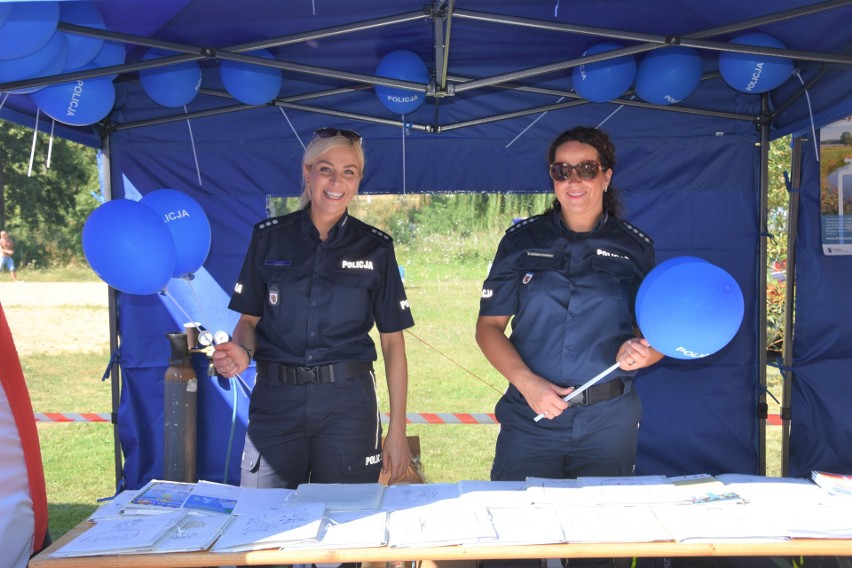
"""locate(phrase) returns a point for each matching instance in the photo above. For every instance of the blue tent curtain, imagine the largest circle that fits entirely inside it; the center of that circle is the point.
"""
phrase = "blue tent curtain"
(821, 374)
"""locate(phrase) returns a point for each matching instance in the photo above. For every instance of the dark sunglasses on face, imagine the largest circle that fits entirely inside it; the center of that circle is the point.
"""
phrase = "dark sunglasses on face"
(587, 170)
(350, 135)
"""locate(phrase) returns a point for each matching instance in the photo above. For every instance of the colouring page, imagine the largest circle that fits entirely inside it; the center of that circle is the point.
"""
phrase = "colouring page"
(271, 529)
(415, 495)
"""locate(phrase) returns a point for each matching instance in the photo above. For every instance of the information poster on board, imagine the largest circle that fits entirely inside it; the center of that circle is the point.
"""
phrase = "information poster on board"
(835, 158)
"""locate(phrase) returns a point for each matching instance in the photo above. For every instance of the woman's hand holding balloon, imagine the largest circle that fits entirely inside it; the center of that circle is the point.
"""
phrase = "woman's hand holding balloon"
(636, 354)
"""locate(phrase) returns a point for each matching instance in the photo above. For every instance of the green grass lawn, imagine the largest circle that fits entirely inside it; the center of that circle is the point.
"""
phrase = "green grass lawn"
(448, 373)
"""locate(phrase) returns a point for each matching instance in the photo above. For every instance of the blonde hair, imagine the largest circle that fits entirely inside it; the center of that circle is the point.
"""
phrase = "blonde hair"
(316, 148)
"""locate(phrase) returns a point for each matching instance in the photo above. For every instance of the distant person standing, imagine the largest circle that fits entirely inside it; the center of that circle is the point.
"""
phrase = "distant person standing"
(7, 248)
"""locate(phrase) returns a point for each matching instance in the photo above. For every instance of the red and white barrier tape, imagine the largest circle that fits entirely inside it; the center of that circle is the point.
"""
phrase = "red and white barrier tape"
(72, 417)
(411, 418)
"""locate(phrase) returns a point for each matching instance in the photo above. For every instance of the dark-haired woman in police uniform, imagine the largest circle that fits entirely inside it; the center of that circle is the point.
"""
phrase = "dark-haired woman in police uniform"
(567, 279)
(312, 286)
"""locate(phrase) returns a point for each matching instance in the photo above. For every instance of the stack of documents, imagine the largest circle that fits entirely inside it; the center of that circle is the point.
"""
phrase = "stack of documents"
(177, 531)
(167, 516)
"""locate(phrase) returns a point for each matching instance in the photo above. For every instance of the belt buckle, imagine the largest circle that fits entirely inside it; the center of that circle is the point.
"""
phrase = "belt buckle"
(582, 399)
(306, 375)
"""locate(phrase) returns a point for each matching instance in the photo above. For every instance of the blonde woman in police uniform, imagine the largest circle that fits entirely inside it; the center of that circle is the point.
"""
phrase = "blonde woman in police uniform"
(313, 284)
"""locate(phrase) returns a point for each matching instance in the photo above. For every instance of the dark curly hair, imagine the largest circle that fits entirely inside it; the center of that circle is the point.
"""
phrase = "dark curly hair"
(599, 140)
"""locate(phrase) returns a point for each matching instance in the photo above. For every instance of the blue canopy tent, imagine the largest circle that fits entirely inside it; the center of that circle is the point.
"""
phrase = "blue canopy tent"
(693, 175)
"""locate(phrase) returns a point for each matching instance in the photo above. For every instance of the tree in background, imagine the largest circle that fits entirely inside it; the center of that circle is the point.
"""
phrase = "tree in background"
(47, 209)
(776, 250)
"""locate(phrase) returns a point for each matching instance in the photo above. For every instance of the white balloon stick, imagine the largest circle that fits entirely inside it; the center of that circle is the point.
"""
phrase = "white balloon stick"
(584, 386)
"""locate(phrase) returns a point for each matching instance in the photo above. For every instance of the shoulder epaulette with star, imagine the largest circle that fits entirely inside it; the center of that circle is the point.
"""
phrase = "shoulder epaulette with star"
(636, 233)
(273, 222)
(521, 226)
(370, 230)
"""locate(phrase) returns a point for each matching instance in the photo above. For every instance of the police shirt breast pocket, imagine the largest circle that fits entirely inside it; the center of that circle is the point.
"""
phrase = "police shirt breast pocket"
(355, 280)
(616, 276)
(279, 281)
(352, 289)
(532, 267)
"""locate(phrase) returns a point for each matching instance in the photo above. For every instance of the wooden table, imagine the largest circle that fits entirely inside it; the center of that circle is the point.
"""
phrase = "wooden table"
(797, 547)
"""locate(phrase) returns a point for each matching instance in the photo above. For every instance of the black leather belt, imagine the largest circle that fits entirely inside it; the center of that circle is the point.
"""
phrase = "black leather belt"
(602, 391)
(320, 374)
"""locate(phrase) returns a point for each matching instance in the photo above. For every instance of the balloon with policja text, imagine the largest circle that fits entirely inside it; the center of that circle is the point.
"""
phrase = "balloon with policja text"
(668, 75)
(403, 65)
(129, 247)
(79, 102)
(751, 73)
(605, 80)
(188, 225)
(688, 308)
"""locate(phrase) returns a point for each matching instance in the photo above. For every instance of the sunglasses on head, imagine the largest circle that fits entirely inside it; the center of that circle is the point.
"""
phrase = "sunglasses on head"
(587, 170)
(350, 135)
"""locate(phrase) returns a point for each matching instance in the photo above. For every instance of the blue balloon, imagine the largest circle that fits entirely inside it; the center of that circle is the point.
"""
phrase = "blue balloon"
(129, 247)
(251, 84)
(28, 28)
(81, 49)
(49, 60)
(403, 65)
(173, 85)
(188, 225)
(688, 308)
(5, 12)
(78, 103)
(752, 73)
(110, 54)
(668, 75)
(604, 80)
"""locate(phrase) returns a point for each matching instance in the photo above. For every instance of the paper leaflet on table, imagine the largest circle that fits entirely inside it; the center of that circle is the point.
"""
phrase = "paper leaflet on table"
(271, 529)
(525, 525)
(213, 497)
(350, 529)
(834, 483)
(494, 493)
(158, 494)
(341, 496)
(406, 496)
(125, 534)
(610, 524)
(441, 523)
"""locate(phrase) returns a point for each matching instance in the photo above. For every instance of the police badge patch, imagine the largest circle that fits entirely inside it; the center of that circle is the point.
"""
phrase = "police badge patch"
(273, 295)
(527, 277)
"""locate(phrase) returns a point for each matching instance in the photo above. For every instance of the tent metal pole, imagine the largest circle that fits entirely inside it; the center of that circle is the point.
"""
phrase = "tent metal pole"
(762, 408)
(789, 301)
(441, 33)
(633, 36)
(576, 101)
(115, 368)
(442, 18)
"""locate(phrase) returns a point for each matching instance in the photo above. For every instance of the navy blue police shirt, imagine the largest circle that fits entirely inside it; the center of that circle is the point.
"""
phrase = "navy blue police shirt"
(571, 294)
(318, 300)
